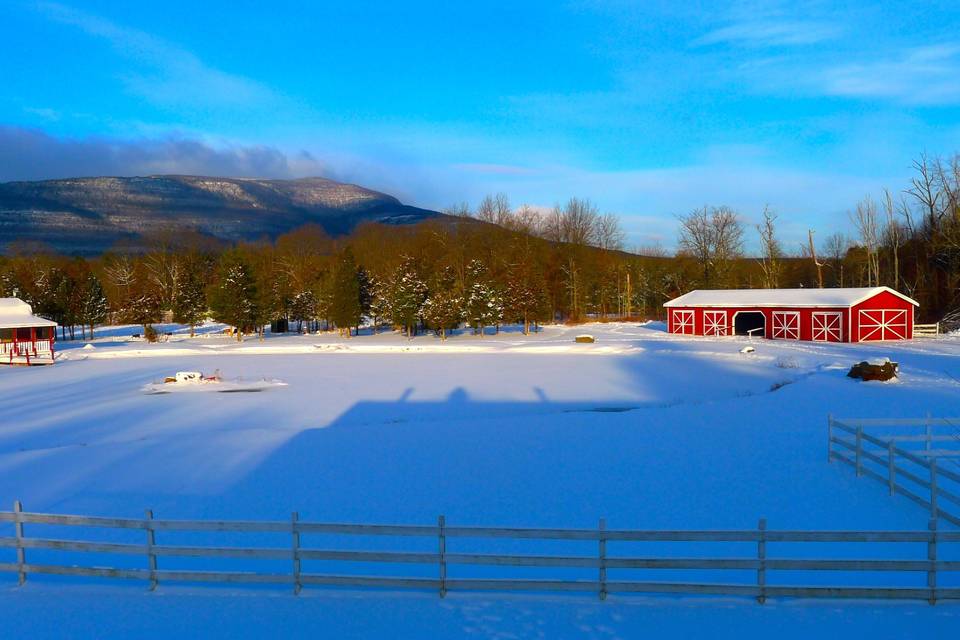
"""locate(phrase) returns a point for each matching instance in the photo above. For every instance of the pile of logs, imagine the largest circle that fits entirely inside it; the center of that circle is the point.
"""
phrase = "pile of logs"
(867, 371)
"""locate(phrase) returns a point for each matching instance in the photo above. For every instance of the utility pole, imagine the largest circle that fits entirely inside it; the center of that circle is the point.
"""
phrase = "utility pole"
(813, 254)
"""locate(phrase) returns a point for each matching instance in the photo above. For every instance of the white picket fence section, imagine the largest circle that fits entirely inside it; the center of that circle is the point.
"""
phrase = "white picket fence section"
(763, 562)
(918, 458)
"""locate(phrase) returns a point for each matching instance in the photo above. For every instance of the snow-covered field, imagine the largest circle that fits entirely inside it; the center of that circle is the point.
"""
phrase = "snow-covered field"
(645, 429)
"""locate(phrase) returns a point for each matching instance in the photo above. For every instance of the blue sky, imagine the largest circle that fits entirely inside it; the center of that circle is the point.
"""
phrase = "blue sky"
(648, 108)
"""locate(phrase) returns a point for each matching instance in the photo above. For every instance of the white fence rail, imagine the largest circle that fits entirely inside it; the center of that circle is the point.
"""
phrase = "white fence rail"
(926, 330)
(762, 562)
(918, 458)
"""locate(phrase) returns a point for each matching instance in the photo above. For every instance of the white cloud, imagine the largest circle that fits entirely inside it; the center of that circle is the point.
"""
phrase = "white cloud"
(918, 75)
(169, 75)
(770, 33)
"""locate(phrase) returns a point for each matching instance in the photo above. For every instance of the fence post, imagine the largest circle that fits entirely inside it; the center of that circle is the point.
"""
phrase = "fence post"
(929, 433)
(934, 508)
(602, 537)
(18, 531)
(829, 438)
(151, 556)
(932, 558)
(891, 468)
(859, 450)
(762, 560)
(442, 524)
(295, 539)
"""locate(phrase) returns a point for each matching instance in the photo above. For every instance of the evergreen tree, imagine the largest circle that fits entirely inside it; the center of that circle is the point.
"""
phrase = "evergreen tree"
(365, 282)
(484, 303)
(303, 307)
(190, 299)
(233, 299)
(443, 311)
(345, 303)
(524, 297)
(95, 307)
(380, 301)
(323, 292)
(408, 295)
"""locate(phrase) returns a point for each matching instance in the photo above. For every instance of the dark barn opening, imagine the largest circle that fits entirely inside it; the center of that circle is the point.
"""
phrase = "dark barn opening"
(746, 321)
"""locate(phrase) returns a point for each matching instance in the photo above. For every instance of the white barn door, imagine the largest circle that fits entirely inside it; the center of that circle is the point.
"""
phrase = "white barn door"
(786, 325)
(827, 326)
(682, 321)
(883, 324)
(714, 323)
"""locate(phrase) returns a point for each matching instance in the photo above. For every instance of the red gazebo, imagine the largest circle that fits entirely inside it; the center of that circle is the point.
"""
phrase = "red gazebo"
(822, 315)
(24, 337)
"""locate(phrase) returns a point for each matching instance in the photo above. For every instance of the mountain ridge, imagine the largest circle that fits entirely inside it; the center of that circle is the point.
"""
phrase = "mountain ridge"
(89, 215)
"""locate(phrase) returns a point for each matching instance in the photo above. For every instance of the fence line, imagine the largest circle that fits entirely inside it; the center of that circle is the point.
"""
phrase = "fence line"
(763, 564)
(883, 461)
(926, 330)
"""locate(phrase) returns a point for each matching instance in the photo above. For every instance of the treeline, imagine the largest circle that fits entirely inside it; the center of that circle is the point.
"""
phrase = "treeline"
(435, 276)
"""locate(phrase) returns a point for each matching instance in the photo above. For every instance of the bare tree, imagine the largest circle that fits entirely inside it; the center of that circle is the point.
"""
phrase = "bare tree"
(578, 222)
(714, 238)
(835, 248)
(892, 234)
(501, 210)
(867, 225)
(459, 209)
(696, 239)
(609, 233)
(527, 220)
(487, 209)
(924, 188)
(727, 241)
(771, 249)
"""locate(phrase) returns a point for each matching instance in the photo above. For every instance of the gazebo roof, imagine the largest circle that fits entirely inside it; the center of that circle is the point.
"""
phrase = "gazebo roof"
(16, 314)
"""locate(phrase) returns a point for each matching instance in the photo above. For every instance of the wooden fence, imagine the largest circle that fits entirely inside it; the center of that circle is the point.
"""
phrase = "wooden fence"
(926, 330)
(911, 460)
(751, 557)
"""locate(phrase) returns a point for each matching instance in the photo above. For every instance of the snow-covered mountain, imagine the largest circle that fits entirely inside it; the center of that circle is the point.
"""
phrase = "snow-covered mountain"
(89, 215)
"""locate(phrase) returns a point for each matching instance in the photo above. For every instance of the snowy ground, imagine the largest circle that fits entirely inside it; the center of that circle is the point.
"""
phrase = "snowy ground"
(645, 429)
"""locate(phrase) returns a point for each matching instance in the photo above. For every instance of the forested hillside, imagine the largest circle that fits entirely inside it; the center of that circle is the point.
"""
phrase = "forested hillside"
(515, 266)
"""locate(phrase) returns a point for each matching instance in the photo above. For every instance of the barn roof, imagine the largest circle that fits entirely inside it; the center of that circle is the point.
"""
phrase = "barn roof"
(781, 297)
(15, 313)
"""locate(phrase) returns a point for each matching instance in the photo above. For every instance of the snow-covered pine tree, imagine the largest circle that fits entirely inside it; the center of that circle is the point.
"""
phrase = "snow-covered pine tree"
(443, 311)
(95, 307)
(303, 307)
(408, 294)
(190, 298)
(524, 296)
(233, 299)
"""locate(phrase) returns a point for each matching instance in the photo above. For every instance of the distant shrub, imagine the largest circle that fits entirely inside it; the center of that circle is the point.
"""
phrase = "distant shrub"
(787, 363)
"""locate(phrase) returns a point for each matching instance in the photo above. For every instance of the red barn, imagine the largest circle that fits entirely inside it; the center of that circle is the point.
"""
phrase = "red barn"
(823, 315)
(24, 337)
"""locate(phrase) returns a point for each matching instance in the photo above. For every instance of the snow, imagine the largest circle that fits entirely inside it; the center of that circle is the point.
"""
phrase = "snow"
(17, 313)
(644, 428)
(847, 297)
